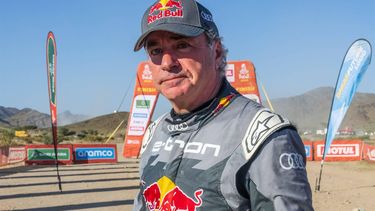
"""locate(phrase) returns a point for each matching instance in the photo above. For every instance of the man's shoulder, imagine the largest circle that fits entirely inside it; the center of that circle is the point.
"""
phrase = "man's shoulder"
(263, 124)
(245, 101)
(245, 107)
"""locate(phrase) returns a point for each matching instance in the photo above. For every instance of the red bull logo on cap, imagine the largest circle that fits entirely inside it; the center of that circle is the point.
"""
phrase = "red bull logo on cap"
(164, 195)
(164, 10)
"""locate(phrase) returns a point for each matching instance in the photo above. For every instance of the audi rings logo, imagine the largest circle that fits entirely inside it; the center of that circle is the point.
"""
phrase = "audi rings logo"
(178, 127)
(291, 161)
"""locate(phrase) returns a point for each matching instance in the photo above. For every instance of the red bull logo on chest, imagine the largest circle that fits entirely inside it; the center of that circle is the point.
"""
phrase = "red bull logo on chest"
(164, 195)
(165, 9)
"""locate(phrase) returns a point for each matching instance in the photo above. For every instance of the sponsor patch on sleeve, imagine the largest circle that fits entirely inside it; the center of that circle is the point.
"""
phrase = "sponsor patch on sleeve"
(264, 123)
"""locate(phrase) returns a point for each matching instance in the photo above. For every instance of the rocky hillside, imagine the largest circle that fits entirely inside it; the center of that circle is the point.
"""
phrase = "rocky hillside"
(105, 124)
(311, 109)
(13, 117)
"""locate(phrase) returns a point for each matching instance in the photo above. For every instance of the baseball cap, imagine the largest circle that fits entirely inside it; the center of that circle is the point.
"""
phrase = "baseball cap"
(184, 17)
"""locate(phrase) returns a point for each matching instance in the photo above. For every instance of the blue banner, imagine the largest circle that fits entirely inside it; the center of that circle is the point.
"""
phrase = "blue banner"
(354, 65)
(95, 153)
(308, 151)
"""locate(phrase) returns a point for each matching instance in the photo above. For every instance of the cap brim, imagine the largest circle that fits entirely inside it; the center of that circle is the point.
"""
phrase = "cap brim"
(185, 30)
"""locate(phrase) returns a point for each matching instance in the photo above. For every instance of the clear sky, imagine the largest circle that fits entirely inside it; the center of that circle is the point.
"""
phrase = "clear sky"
(296, 46)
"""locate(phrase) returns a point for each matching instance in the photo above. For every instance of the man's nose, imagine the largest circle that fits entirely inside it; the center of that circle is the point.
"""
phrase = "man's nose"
(169, 61)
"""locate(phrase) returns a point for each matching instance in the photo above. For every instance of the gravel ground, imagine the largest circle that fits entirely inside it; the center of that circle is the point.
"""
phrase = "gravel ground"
(85, 187)
(344, 186)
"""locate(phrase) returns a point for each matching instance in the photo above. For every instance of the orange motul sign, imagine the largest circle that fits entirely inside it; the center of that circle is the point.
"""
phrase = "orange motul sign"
(340, 150)
(144, 101)
(241, 75)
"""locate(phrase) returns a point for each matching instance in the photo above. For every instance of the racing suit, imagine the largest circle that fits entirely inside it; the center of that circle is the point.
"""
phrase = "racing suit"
(229, 154)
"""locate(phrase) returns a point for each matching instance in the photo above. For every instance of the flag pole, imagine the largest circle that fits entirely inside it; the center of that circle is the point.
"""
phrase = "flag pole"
(317, 185)
(267, 98)
(51, 58)
(55, 142)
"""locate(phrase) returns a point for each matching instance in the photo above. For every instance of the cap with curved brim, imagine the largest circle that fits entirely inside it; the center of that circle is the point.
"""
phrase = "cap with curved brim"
(177, 28)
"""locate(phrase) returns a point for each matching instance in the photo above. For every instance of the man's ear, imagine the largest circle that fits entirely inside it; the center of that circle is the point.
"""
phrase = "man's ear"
(218, 53)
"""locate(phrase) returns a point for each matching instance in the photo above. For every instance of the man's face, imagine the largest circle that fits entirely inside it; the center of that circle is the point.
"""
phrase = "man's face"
(183, 68)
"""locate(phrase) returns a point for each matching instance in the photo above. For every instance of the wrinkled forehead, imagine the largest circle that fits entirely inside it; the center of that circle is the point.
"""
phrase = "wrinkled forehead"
(157, 37)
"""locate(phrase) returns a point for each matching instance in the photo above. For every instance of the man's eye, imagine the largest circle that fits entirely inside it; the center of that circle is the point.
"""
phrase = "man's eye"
(182, 45)
(155, 51)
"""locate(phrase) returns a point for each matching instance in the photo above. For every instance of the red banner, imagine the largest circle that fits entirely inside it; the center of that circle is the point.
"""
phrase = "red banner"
(241, 75)
(144, 101)
(16, 154)
(369, 152)
(340, 150)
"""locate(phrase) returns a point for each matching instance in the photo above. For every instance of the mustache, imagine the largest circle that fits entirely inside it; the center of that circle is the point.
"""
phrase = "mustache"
(171, 77)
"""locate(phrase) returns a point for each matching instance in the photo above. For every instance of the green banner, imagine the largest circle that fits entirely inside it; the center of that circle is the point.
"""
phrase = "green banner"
(41, 154)
(51, 68)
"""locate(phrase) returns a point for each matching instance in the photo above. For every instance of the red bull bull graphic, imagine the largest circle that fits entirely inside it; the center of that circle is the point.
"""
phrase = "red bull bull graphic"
(164, 10)
(164, 195)
(152, 197)
(176, 199)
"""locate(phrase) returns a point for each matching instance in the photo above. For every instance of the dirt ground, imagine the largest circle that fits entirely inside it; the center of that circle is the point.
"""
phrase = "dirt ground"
(344, 186)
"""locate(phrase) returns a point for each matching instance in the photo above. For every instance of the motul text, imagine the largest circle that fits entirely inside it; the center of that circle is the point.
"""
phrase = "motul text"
(340, 150)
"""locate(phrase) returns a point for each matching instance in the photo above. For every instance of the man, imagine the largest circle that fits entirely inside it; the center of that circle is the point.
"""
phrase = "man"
(216, 149)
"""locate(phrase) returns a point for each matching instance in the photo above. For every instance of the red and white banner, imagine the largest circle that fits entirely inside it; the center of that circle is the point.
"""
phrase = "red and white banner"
(144, 101)
(16, 154)
(340, 150)
(369, 152)
(241, 75)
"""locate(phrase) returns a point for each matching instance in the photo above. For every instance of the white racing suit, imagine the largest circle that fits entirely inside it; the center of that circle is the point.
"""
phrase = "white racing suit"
(232, 154)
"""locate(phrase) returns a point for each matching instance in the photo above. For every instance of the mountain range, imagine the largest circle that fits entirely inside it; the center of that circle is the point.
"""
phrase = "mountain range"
(13, 117)
(308, 111)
